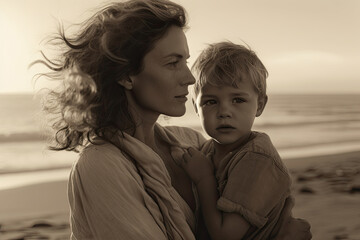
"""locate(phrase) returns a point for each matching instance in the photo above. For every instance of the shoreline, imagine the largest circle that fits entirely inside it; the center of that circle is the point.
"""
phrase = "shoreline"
(301, 163)
(36, 158)
(28, 178)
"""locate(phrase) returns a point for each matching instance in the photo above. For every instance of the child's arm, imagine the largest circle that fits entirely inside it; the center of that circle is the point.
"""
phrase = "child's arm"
(292, 228)
(220, 225)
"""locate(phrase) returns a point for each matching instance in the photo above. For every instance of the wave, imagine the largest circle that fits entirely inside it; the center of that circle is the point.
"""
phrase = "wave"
(300, 122)
(23, 137)
(276, 122)
(194, 123)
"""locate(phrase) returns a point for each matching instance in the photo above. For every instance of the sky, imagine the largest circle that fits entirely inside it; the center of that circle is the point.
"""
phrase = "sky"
(307, 46)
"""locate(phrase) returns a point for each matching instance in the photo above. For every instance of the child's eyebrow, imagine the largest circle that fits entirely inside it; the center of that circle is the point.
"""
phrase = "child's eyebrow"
(245, 94)
(207, 96)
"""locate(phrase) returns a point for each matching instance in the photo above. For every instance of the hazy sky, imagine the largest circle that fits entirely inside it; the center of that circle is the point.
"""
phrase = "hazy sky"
(308, 46)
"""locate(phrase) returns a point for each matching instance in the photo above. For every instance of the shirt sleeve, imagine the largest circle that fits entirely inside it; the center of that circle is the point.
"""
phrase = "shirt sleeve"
(107, 201)
(255, 185)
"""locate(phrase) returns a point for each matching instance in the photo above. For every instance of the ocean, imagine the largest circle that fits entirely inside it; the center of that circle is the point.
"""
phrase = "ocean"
(299, 125)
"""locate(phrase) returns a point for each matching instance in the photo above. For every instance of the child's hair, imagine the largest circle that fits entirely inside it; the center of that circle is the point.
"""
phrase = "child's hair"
(109, 46)
(226, 63)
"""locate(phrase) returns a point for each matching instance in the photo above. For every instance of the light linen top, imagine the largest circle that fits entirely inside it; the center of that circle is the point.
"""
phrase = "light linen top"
(254, 183)
(127, 194)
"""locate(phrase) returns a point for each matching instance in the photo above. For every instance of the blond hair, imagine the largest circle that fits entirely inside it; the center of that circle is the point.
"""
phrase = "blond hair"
(226, 63)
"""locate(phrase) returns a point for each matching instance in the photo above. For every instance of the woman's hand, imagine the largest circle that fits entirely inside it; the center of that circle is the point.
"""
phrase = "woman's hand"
(292, 228)
(197, 165)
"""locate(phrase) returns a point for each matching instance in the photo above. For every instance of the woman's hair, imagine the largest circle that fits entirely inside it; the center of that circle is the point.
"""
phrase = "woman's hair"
(109, 47)
(226, 63)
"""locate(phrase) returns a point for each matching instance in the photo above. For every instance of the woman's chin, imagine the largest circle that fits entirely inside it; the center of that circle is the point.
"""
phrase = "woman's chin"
(178, 112)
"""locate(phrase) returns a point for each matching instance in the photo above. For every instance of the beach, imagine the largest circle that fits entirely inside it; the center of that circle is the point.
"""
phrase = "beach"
(326, 190)
(318, 137)
(327, 194)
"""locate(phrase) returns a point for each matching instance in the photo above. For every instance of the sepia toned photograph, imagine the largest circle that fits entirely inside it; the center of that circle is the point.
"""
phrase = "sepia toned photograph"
(181, 120)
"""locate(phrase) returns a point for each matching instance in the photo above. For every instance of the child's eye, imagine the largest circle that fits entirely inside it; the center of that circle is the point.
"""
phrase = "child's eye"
(238, 100)
(209, 102)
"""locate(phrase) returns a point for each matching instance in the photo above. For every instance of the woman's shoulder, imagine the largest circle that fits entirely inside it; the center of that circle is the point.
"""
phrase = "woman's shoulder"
(103, 149)
(102, 157)
(186, 135)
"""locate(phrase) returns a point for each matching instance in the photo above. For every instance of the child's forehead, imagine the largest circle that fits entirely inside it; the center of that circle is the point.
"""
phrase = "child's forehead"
(214, 88)
(224, 91)
(219, 84)
(228, 86)
(233, 79)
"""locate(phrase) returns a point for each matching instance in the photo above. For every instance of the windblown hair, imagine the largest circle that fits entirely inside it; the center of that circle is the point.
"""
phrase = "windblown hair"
(226, 64)
(109, 46)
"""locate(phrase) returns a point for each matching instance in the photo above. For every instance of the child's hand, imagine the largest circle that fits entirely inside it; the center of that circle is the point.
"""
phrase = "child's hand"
(292, 228)
(197, 165)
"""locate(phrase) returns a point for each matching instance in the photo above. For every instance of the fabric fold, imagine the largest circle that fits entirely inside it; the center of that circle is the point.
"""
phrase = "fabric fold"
(178, 219)
(228, 206)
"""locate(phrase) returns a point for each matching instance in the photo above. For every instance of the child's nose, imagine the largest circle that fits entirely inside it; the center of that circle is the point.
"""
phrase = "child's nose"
(224, 111)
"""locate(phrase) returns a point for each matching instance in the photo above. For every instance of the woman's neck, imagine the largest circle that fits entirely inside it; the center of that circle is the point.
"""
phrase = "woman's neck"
(146, 134)
(145, 120)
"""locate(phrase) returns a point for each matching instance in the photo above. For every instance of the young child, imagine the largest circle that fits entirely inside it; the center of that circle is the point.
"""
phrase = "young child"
(251, 184)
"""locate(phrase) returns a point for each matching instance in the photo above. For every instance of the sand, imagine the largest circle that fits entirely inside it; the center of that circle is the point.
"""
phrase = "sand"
(327, 194)
(326, 189)
(36, 211)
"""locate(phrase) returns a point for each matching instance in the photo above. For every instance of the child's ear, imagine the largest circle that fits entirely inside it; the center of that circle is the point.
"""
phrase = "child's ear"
(195, 106)
(261, 105)
(127, 83)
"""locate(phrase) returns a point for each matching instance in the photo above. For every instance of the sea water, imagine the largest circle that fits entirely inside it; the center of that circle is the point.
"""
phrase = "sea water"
(299, 125)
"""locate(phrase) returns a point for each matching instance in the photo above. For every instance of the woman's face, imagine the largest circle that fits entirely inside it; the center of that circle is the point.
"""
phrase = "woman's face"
(162, 86)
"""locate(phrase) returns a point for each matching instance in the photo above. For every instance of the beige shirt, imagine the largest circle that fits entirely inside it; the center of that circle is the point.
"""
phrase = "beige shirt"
(112, 198)
(254, 183)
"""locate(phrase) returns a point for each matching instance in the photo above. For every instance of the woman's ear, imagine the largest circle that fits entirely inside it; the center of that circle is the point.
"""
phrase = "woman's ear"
(127, 83)
(261, 105)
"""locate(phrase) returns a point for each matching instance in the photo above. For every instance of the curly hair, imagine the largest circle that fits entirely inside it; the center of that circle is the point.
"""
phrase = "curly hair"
(108, 47)
(226, 63)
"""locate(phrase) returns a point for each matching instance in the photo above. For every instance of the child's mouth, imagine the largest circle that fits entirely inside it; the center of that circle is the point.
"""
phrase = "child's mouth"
(225, 127)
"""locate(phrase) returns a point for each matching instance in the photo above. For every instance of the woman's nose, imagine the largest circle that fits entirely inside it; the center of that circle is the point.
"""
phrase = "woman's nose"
(188, 78)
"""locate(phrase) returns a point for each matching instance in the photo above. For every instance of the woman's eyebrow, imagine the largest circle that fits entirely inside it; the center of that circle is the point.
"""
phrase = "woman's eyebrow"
(177, 55)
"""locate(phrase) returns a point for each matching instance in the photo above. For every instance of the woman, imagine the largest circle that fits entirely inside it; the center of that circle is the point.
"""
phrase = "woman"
(125, 67)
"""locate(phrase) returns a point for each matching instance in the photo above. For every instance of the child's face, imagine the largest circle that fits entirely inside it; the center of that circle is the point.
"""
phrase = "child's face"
(227, 113)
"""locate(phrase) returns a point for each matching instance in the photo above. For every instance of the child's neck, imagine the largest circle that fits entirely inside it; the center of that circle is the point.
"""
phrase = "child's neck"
(221, 150)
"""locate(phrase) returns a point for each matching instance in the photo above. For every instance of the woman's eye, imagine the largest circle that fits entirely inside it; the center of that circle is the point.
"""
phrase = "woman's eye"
(173, 64)
(238, 100)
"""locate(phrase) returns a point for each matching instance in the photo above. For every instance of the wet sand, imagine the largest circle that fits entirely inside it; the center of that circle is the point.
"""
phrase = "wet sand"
(326, 189)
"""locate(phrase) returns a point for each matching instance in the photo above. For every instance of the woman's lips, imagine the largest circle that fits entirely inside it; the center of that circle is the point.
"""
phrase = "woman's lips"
(181, 98)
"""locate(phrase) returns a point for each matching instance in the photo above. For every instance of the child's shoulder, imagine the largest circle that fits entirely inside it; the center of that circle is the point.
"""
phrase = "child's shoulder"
(261, 144)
